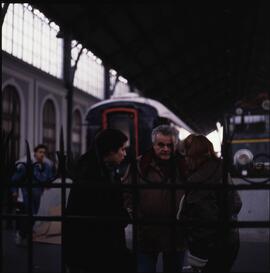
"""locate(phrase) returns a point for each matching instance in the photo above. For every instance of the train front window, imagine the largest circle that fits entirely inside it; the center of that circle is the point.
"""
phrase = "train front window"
(125, 122)
(250, 124)
(120, 121)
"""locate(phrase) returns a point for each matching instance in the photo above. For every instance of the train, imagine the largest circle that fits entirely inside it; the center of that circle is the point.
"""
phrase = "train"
(135, 116)
(248, 135)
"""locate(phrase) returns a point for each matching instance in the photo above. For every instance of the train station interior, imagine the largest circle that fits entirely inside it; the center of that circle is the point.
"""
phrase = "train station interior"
(203, 68)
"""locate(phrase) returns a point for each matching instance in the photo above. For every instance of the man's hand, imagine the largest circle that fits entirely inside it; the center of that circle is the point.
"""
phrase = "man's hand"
(39, 166)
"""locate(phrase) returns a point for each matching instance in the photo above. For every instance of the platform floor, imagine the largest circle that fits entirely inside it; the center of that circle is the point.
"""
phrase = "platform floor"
(253, 256)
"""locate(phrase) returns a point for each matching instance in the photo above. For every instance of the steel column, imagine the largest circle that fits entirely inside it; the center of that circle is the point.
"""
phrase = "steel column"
(68, 82)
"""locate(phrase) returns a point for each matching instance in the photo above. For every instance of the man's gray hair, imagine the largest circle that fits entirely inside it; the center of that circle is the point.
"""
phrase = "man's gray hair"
(165, 130)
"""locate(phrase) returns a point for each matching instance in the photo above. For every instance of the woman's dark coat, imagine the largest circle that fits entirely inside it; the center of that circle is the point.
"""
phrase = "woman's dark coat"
(205, 206)
(94, 244)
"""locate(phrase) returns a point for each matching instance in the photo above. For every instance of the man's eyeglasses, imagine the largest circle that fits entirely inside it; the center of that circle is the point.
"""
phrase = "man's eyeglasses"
(162, 145)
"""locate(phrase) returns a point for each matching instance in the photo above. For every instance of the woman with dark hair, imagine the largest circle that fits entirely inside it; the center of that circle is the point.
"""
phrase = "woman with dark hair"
(212, 248)
(95, 244)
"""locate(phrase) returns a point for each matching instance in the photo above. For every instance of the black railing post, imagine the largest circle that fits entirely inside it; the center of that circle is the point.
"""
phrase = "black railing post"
(173, 218)
(1, 117)
(2, 181)
(135, 203)
(225, 214)
(6, 167)
(29, 180)
(62, 173)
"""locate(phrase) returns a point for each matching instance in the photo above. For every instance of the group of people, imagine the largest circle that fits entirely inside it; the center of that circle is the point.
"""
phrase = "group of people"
(102, 203)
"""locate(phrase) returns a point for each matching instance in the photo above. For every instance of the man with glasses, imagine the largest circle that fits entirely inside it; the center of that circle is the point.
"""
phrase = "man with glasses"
(161, 165)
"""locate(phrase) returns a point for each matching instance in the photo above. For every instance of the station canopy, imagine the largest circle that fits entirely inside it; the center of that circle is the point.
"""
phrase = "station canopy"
(195, 58)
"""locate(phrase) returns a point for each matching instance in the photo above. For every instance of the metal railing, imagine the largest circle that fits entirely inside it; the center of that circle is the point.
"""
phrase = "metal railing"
(64, 171)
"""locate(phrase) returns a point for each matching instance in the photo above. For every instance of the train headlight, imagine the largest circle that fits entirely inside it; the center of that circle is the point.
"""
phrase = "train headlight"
(266, 105)
(239, 111)
(243, 157)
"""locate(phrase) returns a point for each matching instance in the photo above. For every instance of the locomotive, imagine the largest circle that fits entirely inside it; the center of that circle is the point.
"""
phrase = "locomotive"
(248, 136)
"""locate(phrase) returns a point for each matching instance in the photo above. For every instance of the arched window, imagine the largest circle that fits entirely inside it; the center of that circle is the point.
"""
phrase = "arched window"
(29, 35)
(11, 118)
(77, 134)
(49, 128)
